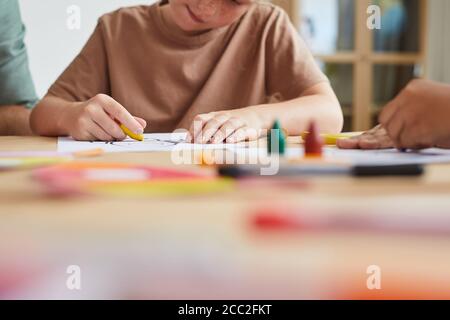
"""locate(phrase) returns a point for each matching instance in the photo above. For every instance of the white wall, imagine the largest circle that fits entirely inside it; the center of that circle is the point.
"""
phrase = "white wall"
(51, 45)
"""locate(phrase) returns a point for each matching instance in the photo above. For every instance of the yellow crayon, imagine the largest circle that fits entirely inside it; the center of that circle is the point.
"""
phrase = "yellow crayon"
(132, 135)
(331, 139)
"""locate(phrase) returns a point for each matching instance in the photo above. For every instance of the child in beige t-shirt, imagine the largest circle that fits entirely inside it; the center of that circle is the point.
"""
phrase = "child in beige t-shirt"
(224, 69)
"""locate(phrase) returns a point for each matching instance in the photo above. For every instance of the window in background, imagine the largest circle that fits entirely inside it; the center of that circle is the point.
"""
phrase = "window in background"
(341, 79)
(400, 30)
(328, 25)
(366, 68)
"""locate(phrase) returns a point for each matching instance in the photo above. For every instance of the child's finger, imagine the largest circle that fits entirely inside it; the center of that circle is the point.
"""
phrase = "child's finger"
(241, 134)
(189, 138)
(141, 121)
(254, 134)
(85, 136)
(197, 125)
(119, 113)
(107, 124)
(99, 134)
(211, 127)
(227, 129)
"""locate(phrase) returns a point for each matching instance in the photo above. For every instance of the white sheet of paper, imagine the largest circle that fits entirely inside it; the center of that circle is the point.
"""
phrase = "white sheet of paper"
(152, 142)
(382, 157)
(170, 141)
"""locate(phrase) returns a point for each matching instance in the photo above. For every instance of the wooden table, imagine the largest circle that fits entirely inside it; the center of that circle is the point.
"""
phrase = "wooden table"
(205, 246)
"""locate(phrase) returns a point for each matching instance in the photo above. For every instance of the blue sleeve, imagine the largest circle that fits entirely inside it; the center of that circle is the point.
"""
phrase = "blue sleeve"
(16, 84)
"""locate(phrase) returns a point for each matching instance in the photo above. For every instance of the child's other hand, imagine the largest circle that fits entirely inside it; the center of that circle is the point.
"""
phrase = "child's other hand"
(376, 138)
(225, 127)
(97, 119)
(419, 116)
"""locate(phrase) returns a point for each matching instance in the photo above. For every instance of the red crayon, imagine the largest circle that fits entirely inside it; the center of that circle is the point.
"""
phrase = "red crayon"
(313, 142)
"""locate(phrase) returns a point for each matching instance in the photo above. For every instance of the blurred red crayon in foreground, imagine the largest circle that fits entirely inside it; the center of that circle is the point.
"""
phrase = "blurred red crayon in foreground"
(292, 220)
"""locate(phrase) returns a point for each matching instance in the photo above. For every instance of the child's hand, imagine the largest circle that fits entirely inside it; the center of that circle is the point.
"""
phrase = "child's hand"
(225, 127)
(99, 118)
(419, 117)
(376, 138)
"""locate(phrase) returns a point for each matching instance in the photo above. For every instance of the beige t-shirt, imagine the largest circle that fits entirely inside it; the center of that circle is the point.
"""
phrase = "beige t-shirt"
(167, 77)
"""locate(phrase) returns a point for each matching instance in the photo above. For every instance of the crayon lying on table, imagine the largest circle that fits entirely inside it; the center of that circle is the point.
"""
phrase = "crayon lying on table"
(331, 139)
(243, 171)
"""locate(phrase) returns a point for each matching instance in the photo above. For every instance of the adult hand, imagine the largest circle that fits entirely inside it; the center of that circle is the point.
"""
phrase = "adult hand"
(419, 117)
(376, 138)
